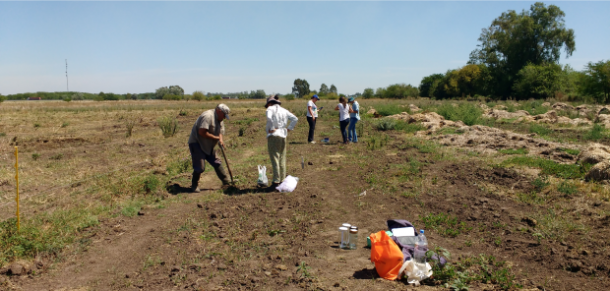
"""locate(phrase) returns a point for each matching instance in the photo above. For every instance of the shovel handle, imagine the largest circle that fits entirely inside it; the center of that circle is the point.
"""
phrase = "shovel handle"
(227, 162)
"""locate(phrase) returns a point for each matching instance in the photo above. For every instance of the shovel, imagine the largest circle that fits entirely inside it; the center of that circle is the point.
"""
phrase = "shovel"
(227, 162)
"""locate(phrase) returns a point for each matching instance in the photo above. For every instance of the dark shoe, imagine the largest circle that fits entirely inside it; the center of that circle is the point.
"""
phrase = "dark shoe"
(195, 182)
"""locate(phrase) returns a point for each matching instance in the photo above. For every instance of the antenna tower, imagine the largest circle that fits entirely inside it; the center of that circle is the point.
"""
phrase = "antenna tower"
(67, 88)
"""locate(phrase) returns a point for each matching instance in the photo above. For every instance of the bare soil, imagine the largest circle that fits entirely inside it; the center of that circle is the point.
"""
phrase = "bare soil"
(251, 240)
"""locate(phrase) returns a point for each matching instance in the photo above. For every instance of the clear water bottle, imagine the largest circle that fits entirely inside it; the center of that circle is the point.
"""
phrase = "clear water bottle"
(353, 238)
(419, 254)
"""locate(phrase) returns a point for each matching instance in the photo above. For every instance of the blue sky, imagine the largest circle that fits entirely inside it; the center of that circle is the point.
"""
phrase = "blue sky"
(134, 47)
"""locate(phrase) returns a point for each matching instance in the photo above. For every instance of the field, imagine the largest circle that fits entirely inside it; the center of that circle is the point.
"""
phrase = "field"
(513, 198)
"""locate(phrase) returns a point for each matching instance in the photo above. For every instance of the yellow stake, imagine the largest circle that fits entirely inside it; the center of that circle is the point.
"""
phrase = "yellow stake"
(17, 179)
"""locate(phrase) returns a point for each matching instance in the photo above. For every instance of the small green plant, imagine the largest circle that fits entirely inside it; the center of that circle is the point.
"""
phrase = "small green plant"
(242, 131)
(303, 270)
(513, 151)
(65, 124)
(540, 129)
(57, 156)
(151, 184)
(2, 134)
(375, 142)
(178, 166)
(541, 182)
(36, 125)
(168, 125)
(566, 188)
(275, 232)
(183, 112)
(570, 151)
(35, 156)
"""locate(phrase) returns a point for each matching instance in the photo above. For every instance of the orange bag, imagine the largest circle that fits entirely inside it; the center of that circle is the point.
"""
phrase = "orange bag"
(386, 255)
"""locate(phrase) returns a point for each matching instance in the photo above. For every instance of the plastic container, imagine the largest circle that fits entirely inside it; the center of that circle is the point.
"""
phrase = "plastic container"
(419, 254)
(344, 231)
(353, 238)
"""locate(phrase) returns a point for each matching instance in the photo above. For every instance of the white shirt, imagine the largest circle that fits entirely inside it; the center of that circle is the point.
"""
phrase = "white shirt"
(277, 118)
(314, 109)
(343, 112)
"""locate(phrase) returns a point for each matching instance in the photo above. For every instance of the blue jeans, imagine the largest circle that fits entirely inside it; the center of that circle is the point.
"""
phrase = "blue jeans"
(351, 130)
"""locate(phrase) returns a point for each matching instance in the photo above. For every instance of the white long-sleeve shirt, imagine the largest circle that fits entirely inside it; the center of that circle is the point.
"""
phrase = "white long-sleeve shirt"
(277, 118)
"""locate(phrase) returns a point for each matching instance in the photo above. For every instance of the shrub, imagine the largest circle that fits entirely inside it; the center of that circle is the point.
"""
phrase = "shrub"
(468, 113)
(35, 156)
(151, 184)
(168, 125)
(57, 157)
(389, 109)
(198, 95)
(540, 129)
(566, 188)
(597, 132)
(385, 124)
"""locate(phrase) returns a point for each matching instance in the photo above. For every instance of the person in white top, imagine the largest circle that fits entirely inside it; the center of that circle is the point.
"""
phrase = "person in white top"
(343, 117)
(312, 115)
(277, 130)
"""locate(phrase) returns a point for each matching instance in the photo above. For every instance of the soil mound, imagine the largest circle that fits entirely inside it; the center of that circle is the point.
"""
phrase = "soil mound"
(489, 140)
(549, 117)
(594, 154)
(402, 116)
(503, 114)
(562, 106)
(599, 172)
(414, 108)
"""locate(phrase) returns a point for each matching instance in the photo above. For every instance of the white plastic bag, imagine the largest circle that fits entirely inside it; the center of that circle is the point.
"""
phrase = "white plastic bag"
(262, 176)
(289, 184)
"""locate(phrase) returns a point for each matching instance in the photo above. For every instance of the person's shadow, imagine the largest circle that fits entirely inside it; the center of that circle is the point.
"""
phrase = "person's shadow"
(176, 189)
(232, 190)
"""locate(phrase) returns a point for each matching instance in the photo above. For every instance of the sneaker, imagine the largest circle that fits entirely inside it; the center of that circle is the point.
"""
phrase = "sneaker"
(312, 142)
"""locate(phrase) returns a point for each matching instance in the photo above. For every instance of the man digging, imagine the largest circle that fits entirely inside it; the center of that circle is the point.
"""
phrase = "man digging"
(206, 133)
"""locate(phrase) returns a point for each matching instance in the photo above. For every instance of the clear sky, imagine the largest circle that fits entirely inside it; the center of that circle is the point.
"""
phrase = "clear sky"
(133, 47)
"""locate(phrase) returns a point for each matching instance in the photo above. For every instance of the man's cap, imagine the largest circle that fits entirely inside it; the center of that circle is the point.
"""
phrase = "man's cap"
(272, 101)
(225, 109)
(350, 99)
(315, 96)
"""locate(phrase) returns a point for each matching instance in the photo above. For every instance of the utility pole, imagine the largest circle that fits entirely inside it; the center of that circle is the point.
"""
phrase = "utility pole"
(67, 88)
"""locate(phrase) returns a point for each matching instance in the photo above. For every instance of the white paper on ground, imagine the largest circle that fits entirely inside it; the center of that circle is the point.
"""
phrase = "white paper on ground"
(403, 231)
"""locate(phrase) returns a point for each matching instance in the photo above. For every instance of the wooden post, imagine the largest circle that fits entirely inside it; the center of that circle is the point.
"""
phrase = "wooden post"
(17, 185)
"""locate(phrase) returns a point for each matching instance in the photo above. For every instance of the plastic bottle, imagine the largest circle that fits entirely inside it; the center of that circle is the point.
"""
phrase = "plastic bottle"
(344, 237)
(353, 238)
(419, 254)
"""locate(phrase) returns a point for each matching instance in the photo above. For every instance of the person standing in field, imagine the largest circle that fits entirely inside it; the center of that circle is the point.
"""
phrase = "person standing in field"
(312, 115)
(354, 117)
(277, 130)
(343, 109)
(206, 133)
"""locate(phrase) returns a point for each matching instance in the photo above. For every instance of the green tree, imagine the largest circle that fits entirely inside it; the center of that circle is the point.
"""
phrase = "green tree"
(2, 98)
(368, 93)
(596, 81)
(428, 85)
(333, 89)
(380, 92)
(324, 89)
(515, 40)
(399, 91)
(300, 88)
(99, 97)
(198, 95)
(538, 81)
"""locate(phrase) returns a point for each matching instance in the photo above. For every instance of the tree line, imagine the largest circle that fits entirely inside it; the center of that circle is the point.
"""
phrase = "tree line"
(518, 57)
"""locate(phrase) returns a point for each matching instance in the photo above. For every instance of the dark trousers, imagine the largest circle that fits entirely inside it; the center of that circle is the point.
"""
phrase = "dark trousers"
(198, 157)
(312, 128)
(343, 125)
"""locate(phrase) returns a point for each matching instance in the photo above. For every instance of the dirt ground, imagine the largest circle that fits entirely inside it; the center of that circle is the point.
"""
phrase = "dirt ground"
(245, 239)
